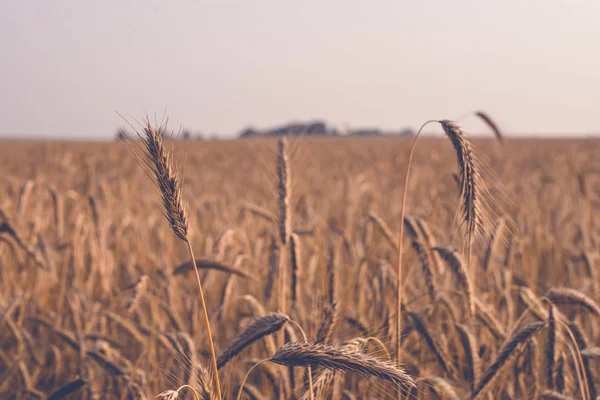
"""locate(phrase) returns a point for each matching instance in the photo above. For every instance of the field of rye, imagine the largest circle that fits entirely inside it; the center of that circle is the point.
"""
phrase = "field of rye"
(296, 244)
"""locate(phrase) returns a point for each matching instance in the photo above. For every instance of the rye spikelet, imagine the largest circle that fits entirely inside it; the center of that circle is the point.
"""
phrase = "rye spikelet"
(426, 268)
(559, 373)
(323, 385)
(573, 297)
(326, 381)
(340, 359)
(473, 363)
(489, 320)
(429, 241)
(205, 387)
(272, 272)
(283, 191)
(552, 395)
(491, 124)
(434, 345)
(330, 317)
(258, 329)
(384, 228)
(591, 353)
(205, 263)
(295, 264)
(71, 387)
(331, 274)
(8, 227)
(507, 353)
(259, 211)
(410, 223)
(138, 291)
(440, 387)
(457, 266)
(494, 244)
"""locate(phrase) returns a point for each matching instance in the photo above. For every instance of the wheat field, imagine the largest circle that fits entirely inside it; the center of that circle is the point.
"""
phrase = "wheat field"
(296, 247)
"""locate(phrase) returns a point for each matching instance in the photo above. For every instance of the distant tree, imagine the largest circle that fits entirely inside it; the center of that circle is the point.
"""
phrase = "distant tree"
(317, 128)
(122, 135)
(407, 132)
(249, 132)
(185, 135)
(367, 132)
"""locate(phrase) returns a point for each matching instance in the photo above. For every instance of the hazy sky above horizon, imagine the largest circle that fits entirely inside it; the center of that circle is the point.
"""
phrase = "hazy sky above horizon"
(219, 66)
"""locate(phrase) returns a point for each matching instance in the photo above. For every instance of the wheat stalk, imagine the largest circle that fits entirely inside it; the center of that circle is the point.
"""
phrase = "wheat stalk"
(160, 165)
(471, 192)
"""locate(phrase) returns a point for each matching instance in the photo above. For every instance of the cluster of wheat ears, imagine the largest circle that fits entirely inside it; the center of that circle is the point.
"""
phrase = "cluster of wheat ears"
(348, 279)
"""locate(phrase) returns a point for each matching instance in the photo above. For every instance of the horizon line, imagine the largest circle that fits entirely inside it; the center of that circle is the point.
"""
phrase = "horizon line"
(29, 137)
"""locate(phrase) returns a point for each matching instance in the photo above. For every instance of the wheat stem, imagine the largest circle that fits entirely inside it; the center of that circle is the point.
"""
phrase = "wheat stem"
(213, 357)
(400, 248)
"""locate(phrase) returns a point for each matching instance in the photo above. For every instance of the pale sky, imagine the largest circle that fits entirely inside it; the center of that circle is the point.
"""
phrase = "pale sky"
(219, 66)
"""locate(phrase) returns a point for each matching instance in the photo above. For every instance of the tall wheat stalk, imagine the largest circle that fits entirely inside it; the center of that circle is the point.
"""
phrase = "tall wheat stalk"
(167, 180)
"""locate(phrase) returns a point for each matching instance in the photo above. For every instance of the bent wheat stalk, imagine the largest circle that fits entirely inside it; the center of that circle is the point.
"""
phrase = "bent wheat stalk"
(471, 192)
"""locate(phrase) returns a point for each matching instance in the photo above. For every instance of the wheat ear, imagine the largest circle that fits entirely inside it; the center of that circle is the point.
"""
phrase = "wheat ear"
(570, 296)
(340, 359)
(258, 329)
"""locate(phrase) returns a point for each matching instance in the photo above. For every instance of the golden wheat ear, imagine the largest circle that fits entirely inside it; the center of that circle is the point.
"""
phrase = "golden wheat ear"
(469, 177)
(167, 179)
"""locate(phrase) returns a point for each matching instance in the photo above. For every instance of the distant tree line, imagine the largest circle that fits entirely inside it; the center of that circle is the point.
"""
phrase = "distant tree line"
(122, 134)
(318, 128)
(311, 128)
